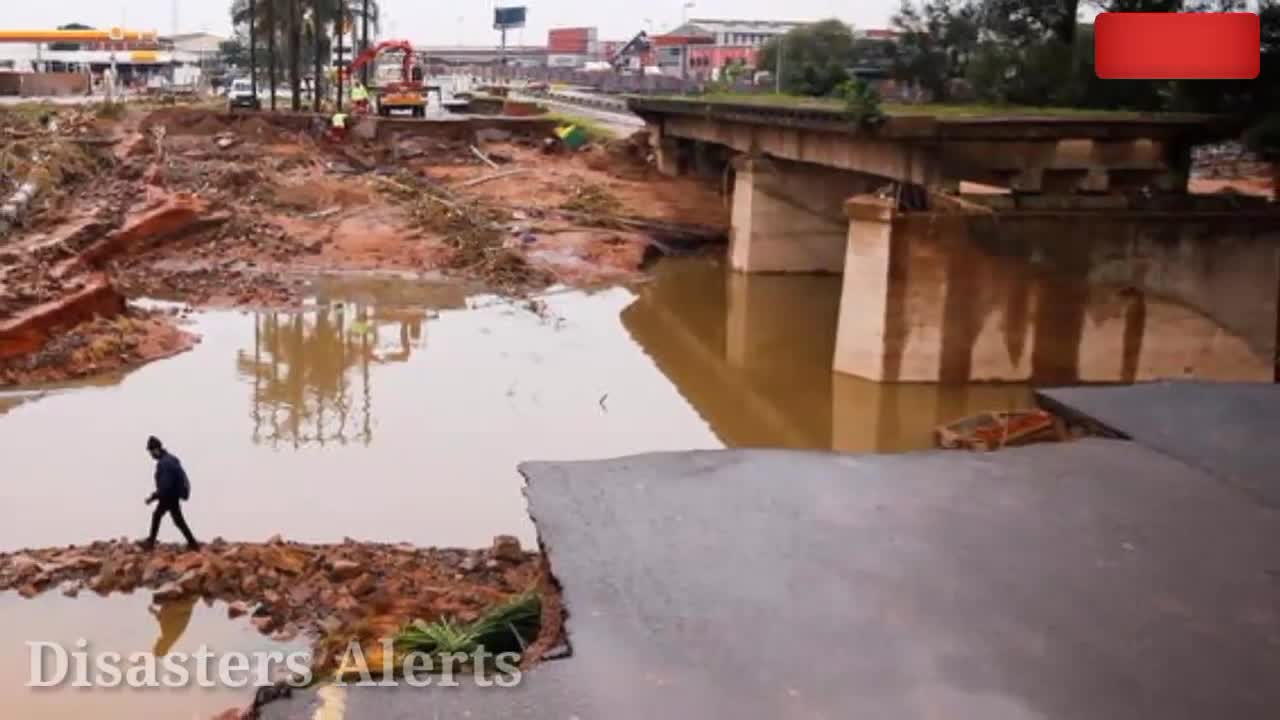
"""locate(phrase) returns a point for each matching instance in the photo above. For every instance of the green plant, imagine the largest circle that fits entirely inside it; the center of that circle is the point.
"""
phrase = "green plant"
(509, 627)
(861, 103)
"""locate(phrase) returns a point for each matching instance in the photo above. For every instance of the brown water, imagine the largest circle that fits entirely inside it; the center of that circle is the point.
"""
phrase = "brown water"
(399, 412)
(125, 625)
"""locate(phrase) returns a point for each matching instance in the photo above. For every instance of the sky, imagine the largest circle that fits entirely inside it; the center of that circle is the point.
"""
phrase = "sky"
(465, 21)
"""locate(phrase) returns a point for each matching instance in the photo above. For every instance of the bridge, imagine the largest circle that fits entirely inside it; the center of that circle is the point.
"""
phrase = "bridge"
(483, 55)
(1087, 262)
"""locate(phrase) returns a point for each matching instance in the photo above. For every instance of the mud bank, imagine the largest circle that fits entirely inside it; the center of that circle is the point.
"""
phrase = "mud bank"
(330, 594)
(104, 344)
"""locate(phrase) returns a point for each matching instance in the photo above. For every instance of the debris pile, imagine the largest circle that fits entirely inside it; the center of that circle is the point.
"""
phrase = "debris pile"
(205, 207)
(332, 594)
(630, 158)
(473, 231)
(97, 346)
(45, 151)
(992, 431)
(592, 200)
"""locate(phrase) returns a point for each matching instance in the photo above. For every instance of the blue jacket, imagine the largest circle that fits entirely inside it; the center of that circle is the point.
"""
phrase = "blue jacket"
(171, 479)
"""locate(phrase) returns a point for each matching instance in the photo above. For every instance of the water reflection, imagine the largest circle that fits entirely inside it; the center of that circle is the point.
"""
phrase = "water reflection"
(122, 624)
(311, 371)
(174, 618)
(752, 354)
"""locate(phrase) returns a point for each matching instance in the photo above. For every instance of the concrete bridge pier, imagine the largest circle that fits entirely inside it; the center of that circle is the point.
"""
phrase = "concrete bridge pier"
(790, 217)
(1061, 289)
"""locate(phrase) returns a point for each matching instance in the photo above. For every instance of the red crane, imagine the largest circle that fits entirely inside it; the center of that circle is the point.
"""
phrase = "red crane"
(407, 94)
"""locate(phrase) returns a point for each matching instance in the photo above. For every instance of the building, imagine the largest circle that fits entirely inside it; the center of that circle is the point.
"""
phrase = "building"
(203, 45)
(138, 57)
(572, 47)
(737, 41)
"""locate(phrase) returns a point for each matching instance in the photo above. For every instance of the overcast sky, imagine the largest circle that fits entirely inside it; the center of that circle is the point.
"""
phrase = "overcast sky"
(434, 22)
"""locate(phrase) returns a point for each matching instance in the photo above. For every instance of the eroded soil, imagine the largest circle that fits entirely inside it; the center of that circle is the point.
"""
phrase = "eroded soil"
(210, 209)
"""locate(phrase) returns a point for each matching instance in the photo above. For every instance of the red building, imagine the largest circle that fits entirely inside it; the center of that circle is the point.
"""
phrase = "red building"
(572, 47)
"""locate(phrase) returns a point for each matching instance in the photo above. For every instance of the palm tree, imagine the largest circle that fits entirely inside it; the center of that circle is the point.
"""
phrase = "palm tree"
(294, 47)
(319, 42)
(292, 25)
(272, 29)
(253, 50)
(364, 39)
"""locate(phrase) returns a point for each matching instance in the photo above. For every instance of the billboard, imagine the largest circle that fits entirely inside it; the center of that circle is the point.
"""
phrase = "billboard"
(506, 18)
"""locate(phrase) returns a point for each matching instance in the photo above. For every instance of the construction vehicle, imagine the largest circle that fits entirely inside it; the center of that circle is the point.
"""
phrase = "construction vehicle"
(631, 56)
(406, 93)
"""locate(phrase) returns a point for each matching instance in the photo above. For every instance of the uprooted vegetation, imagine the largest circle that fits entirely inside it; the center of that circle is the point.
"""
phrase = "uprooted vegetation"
(473, 232)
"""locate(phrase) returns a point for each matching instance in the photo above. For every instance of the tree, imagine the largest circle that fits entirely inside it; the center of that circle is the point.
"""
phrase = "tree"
(316, 26)
(233, 53)
(935, 44)
(1030, 22)
(815, 58)
(294, 45)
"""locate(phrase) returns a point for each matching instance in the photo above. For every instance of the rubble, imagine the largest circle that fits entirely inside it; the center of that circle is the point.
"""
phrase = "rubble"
(217, 209)
(992, 431)
(332, 594)
(96, 346)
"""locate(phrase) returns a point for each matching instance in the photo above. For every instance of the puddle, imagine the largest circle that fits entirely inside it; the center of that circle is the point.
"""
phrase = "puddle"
(123, 624)
(399, 412)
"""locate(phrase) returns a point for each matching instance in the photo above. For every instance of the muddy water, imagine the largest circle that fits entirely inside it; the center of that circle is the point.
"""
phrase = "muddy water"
(399, 412)
(124, 625)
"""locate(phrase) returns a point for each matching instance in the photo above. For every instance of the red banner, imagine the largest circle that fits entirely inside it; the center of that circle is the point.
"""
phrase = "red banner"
(1177, 46)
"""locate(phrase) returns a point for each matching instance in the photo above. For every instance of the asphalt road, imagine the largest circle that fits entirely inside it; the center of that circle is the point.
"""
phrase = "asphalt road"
(1096, 579)
(1228, 430)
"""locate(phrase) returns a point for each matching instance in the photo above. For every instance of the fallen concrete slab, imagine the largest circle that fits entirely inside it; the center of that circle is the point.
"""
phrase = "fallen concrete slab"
(1095, 579)
(1228, 430)
(32, 327)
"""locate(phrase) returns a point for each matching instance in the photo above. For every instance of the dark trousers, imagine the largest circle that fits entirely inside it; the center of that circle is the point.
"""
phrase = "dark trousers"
(174, 509)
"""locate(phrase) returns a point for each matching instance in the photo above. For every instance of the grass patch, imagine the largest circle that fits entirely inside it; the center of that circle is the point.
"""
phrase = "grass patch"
(934, 109)
(596, 132)
(509, 627)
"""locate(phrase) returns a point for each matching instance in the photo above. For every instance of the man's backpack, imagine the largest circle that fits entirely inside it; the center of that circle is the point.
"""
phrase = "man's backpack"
(184, 491)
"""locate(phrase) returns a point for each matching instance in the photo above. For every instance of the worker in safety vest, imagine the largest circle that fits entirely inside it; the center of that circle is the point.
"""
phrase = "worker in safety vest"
(359, 97)
(338, 127)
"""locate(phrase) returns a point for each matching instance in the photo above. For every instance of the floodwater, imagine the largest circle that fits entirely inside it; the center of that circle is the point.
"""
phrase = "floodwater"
(399, 412)
(128, 625)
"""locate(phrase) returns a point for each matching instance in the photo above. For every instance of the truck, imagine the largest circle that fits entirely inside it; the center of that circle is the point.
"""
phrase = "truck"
(241, 95)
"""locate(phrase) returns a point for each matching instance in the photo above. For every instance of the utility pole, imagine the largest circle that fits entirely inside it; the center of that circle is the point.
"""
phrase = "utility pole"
(777, 79)
(339, 24)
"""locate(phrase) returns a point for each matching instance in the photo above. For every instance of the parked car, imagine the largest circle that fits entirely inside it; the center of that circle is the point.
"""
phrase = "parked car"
(241, 96)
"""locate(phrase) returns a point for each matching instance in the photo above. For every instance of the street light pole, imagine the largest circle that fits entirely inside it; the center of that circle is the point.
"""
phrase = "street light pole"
(777, 79)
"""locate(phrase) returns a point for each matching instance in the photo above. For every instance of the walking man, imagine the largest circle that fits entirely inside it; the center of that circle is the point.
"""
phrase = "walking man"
(172, 487)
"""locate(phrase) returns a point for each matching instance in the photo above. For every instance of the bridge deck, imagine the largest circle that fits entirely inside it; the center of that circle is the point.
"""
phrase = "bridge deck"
(939, 127)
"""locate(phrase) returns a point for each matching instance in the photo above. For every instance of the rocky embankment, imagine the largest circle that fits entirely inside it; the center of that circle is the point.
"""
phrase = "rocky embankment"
(332, 594)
